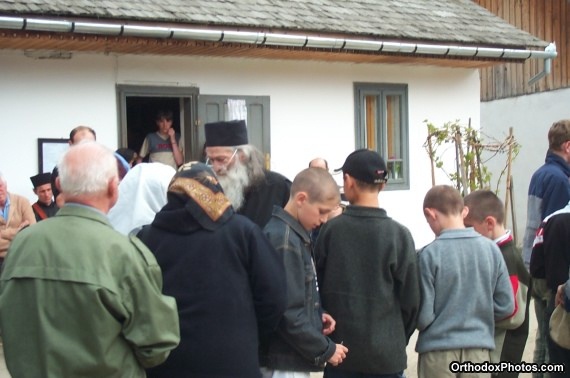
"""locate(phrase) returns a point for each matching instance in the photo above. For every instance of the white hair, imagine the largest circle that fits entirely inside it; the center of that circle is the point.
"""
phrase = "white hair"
(234, 182)
(2, 178)
(254, 162)
(86, 168)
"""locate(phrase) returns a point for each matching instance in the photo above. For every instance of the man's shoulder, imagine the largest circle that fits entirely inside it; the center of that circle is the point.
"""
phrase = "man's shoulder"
(548, 171)
(467, 238)
(241, 224)
(18, 199)
(138, 247)
(557, 219)
(278, 226)
(84, 223)
(276, 178)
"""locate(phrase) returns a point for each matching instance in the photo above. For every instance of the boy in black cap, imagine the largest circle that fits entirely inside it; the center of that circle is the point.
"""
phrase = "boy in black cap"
(368, 277)
(45, 207)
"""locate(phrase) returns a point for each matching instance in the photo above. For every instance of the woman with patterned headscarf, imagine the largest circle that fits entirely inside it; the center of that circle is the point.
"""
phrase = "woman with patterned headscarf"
(228, 281)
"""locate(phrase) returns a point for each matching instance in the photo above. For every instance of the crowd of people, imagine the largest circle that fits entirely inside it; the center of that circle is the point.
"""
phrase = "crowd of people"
(215, 268)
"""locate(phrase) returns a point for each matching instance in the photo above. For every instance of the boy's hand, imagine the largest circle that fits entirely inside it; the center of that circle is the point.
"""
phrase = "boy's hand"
(171, 133)
(339, 355)
(328, 324)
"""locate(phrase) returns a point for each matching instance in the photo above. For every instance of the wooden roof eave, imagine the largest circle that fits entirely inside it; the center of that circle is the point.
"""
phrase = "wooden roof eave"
(72, 42)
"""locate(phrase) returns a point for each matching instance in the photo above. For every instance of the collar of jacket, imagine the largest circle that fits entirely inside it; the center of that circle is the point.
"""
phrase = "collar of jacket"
(453, 233)
(292, 222)
(83, 211)
(553, 158)
(365, 211)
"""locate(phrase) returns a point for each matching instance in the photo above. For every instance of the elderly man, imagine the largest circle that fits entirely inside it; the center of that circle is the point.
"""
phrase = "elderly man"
(45, 206)
(77, 298)
(15, 214)
(251, 189)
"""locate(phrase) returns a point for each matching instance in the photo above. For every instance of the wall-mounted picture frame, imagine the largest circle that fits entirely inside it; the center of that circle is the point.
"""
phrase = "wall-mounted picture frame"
(49, 152)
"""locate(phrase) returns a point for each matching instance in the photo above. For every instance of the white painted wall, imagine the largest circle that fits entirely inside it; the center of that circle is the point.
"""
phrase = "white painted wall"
(312, 108)
(530, 117)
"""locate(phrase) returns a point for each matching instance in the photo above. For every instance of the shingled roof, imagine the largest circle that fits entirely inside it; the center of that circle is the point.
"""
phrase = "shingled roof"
(441, 21)
(456, 33)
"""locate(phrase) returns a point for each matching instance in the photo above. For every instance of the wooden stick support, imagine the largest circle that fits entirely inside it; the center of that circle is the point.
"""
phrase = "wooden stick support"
(509, 178)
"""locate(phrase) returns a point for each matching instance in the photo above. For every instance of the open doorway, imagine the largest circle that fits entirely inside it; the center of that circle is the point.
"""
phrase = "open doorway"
(141, 113)
(138, 106)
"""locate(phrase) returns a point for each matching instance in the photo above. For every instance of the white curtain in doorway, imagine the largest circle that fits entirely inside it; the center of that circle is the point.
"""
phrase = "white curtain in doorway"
(236, 110)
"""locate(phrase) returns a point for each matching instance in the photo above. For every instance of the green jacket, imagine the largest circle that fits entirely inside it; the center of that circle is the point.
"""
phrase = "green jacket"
(78, 299)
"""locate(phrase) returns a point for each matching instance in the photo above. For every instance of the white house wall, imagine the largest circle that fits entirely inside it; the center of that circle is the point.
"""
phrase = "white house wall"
(530, 117)
(312, 108)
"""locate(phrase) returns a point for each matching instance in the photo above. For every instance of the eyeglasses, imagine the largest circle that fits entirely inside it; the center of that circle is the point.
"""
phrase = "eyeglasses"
(223, 161)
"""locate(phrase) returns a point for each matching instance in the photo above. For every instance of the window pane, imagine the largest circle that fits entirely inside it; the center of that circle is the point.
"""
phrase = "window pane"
(394, 136)
(371, 121)
(382, 125)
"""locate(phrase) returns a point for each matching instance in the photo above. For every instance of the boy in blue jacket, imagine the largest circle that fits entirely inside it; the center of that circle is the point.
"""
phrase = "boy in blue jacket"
(300, 344)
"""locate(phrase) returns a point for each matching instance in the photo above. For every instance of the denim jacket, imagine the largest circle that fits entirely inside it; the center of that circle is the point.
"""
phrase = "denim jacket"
(299, 344)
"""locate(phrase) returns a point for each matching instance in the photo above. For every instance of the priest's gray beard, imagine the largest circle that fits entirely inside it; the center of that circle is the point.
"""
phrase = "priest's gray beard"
(234, 181)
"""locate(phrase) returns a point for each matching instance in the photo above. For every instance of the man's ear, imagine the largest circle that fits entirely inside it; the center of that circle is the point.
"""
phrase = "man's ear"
(301, 197)
(429, 213)
(57, 184)
(241, 156)
(348, 180)
(464, 212)
(490, 223)
(113, 187)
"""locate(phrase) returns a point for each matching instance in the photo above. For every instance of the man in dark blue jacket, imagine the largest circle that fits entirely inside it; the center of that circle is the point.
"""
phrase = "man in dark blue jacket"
(549, 190)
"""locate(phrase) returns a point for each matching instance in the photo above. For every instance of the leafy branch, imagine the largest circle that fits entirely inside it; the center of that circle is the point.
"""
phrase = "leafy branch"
(470, 171)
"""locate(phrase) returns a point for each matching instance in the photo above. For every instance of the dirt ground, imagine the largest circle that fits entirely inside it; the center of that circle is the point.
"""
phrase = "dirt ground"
(412, 355)
(411, 372)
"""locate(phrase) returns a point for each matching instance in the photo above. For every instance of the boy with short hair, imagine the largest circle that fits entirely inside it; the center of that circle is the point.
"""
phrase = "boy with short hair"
(164, 145)
(465, 288)
(368, 277)
(300, 344)
(486, 215)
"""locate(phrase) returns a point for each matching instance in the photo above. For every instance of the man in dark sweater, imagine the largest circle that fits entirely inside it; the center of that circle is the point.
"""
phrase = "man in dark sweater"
(368, 277)
(239, 166)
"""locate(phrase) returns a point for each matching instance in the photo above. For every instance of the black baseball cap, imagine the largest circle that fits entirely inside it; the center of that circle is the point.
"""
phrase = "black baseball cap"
(366, 166)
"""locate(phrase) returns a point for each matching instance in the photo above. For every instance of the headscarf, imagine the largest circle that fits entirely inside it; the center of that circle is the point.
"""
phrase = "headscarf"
(195, 201)
(142, 193)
